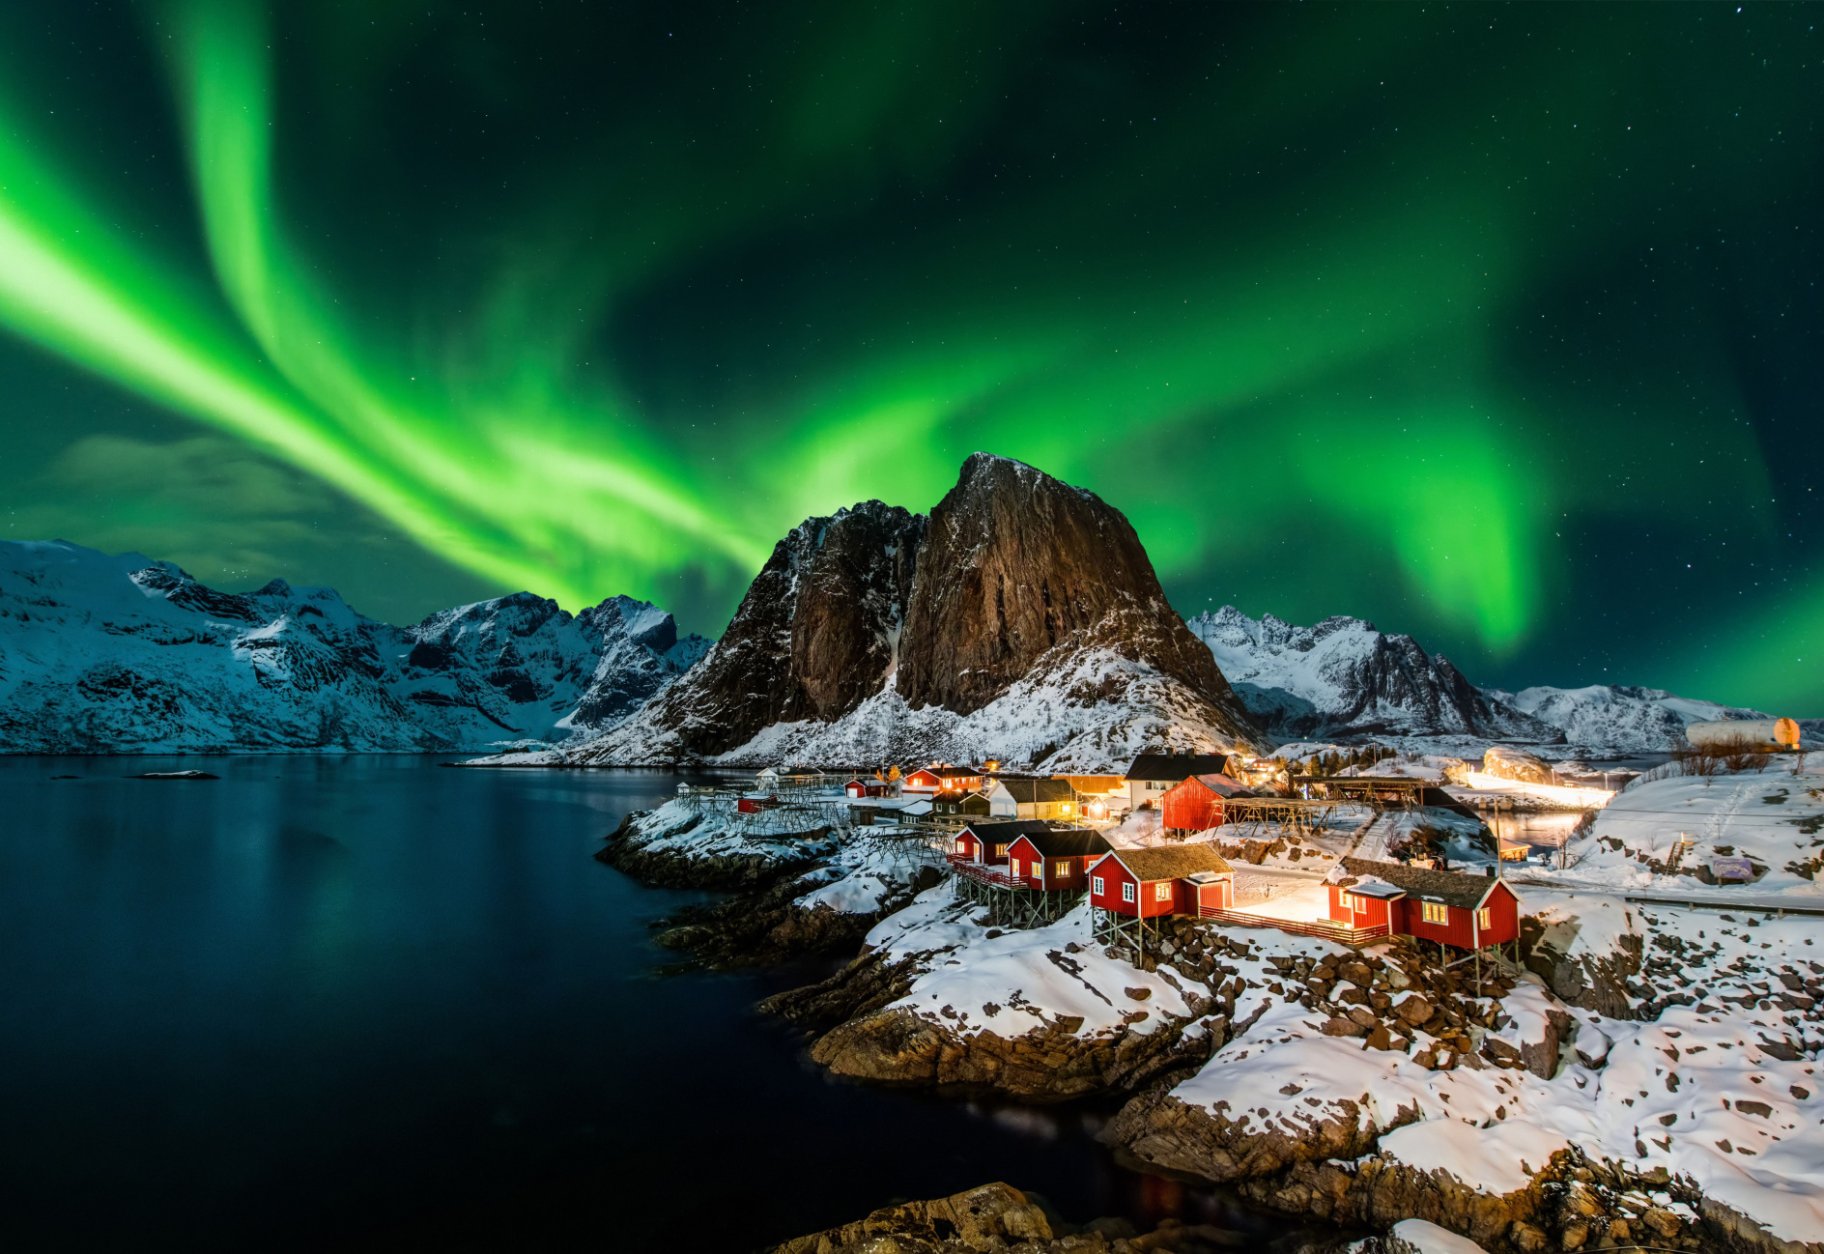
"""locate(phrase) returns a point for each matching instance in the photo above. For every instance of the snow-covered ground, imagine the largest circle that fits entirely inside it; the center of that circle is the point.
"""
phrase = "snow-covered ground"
(978, 977)
(1660, 837)
(1724, 1091)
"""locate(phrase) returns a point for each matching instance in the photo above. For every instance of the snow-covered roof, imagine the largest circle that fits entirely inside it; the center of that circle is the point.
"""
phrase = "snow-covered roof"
(1173, 862)
(1453, 888)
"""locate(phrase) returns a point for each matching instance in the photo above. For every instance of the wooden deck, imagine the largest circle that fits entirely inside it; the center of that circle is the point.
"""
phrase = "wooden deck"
(1319, 928)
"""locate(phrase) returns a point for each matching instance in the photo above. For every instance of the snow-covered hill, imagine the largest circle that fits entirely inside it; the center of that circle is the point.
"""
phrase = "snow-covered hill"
(1343, 677)
(123, 654)
(1617, 717)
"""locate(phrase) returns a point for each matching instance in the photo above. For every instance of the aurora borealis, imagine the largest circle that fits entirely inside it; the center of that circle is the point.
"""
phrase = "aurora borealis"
(1498, 325)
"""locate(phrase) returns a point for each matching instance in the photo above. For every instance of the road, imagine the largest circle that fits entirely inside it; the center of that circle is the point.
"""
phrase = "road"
(1724, 901)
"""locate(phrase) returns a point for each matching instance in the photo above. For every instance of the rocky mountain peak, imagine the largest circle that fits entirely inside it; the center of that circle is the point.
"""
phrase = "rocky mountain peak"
(1015, 563)
(1017, 588)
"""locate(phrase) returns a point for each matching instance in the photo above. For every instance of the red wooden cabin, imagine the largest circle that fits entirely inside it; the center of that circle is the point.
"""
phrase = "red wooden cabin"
(755, 804)
(942, 779)
(859, 788)
(984, 844)
(1055, 859)
(1148, 883)
(1449, 907)
(1195, 804)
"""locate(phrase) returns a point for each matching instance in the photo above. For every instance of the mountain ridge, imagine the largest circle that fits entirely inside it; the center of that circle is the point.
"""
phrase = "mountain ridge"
(124, 653)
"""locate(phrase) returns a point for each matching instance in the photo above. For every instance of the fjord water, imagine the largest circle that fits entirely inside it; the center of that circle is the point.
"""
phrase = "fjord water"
(368, 1001)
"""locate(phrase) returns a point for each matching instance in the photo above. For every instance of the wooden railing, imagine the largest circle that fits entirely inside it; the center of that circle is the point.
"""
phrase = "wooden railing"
(1319, 928)
(998, 876)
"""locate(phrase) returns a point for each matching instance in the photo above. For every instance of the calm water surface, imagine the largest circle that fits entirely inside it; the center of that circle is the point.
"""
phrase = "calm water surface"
(367, 1001)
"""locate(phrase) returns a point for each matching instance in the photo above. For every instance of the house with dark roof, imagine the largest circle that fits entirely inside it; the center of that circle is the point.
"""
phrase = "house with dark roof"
(1057, 859)
(1152, 774)
(952, 803)
(1145, 884)
(1025, 797)
(1449, 907)
(985, 842)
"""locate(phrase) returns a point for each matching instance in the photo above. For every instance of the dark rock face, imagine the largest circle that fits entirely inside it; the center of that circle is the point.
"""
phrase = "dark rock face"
(998, 1217)
(812, 638)
(1016, 563)
(1013, 571)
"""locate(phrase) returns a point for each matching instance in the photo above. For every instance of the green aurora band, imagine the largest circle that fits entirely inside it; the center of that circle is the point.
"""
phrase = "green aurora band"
(1420, 352)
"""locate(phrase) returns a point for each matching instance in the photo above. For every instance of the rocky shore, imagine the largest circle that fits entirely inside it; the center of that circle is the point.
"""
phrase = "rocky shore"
(1000, 1219)
(1528, 1112)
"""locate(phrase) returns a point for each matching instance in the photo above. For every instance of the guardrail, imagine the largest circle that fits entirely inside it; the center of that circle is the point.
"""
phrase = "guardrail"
(1325, 931)
(998, 876)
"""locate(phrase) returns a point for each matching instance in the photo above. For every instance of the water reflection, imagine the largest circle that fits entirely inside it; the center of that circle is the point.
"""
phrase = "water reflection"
(375, 1002)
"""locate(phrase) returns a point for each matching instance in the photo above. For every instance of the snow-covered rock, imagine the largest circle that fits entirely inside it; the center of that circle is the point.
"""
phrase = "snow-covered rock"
(123, 654)
(1343, 677)
(1619, 718)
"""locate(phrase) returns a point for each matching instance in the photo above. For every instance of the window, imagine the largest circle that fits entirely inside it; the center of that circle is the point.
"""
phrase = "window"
(1162, 891)
(962, 846)
(1061, 868)
(1348, 901)
(1000, 851)
(1127, 892)
(1485, 918)
(1095, 885)
(1435, 912)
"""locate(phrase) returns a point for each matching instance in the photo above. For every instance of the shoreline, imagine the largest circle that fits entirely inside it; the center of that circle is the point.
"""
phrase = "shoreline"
(1222, 991)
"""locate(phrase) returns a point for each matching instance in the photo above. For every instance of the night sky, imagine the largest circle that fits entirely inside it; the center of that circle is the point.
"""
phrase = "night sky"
(1497, 325)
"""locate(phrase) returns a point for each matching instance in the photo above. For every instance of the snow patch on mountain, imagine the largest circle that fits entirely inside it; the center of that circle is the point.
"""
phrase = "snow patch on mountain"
(1056, 719)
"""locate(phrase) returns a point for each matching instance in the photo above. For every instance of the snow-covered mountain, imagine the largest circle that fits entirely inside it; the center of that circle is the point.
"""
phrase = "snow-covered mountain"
(123, 654)
(1021, 620)
(1619, 718)
(1343, 677)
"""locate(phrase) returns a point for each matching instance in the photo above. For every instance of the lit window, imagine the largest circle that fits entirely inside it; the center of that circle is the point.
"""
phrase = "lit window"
(1162, 891)
(1485, 918)
(1347, 900)
(1127, 892)
(1062, 868)
(1435, 912)
(1095, 885)
(1000, 851)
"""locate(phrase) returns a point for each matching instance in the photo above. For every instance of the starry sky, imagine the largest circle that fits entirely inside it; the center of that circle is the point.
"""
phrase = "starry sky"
(1499, 325)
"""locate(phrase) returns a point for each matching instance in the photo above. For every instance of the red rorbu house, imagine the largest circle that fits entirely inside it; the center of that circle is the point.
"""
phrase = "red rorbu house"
(859, 788)
(986, 844)
(1196, 803)
(1023, 869)
(1449, 907)
(1054, 859)
(942, 779)
(1127, 887)
(753, 803)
